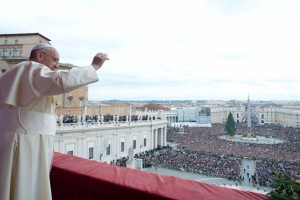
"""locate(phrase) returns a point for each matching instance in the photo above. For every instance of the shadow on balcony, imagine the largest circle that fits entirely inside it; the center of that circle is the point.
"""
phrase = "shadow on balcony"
(75, 178)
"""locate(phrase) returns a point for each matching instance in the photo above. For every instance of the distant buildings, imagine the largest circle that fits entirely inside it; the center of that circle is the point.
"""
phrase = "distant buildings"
(288, 116)
(219, 113)
(193, 116)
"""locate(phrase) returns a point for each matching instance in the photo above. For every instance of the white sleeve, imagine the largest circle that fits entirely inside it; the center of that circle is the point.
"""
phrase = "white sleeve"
(62, 81)
(28, 81)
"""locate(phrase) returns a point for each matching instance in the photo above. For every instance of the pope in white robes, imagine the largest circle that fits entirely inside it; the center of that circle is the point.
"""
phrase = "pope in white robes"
(28, 123)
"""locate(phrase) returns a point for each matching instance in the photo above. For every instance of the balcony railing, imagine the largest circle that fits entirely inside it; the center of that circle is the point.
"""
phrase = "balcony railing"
(75, 178)
(89, 125)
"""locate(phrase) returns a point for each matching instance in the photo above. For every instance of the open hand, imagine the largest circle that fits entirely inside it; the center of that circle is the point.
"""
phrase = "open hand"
(99, 60)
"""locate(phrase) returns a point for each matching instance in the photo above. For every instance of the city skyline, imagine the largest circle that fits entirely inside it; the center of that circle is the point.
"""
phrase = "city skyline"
(173, 50)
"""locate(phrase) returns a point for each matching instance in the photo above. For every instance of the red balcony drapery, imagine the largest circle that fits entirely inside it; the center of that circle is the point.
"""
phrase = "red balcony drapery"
(78, 178)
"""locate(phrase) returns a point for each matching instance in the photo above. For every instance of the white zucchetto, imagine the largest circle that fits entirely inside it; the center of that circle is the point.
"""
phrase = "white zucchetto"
(42, 46)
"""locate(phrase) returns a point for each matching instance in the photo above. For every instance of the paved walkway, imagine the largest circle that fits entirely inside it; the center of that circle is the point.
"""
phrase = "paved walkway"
(222, 182)
(247, 171)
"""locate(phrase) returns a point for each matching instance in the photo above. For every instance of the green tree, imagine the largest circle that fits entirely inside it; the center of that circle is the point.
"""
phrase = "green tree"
(230, 128)
(285, 187)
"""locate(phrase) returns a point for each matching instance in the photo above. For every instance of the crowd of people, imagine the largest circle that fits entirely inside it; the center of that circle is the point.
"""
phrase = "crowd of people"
(205, 163)
(106, 118)
(208, 139)
(120, 162)
(201, 150)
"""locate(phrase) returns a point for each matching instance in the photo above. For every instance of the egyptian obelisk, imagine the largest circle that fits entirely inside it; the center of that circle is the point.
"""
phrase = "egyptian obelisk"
(249, 115)
(249, 132)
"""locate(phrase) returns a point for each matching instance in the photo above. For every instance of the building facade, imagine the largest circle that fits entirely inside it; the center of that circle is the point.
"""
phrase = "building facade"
(199, 115)
(288, 116)
(15, 48)
(107, 142)
(73, 103)
(219, 113)
(119, 109)
(205, 114)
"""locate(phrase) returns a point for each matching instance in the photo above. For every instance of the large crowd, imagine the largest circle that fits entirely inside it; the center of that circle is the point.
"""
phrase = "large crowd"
(201, 150)
(106, 118)
(206, 163)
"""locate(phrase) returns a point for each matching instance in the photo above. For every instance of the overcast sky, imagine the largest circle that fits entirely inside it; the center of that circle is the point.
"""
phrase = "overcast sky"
(171, 49)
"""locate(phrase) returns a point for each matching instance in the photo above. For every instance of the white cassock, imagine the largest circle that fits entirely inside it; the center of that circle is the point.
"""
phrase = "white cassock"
(28, 125)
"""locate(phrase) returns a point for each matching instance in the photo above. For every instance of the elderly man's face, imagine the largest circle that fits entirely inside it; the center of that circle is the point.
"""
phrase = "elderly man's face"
(50, 58)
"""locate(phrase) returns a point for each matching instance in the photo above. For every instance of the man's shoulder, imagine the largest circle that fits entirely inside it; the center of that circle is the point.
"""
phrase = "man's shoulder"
(23, 63)
(22, 67)
(27, 65)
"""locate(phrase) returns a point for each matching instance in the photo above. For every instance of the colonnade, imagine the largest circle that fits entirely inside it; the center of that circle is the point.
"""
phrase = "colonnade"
(108, 142)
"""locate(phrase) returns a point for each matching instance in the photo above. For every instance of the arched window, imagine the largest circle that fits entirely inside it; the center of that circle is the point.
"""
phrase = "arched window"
(69, 99)
(16, 52)
(5, 52)
(81, 100)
